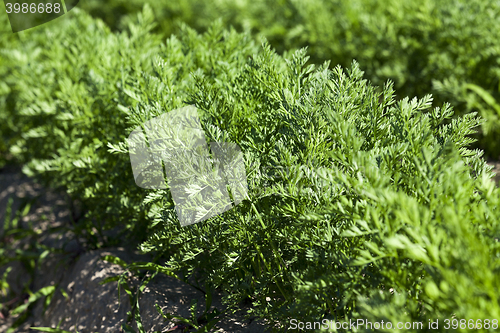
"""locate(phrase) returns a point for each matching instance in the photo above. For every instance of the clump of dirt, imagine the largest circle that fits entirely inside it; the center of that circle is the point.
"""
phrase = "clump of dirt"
(496, 170)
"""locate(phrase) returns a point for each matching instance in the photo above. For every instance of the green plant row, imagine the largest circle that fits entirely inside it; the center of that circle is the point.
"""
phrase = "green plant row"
(60, 110)
(447, 47)
(359, 206)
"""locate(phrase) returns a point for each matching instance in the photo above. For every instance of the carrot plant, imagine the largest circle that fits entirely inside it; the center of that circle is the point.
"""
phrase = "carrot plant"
(359, 205)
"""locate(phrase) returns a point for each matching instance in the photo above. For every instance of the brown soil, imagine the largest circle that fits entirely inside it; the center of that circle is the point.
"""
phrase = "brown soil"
(496, 170)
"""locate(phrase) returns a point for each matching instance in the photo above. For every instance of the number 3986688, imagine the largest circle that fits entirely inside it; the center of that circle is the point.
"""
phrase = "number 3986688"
(33, 8)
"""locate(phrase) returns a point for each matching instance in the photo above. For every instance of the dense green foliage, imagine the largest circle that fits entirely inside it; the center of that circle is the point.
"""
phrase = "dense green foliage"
(63, 104)
(360, 206)
(447, 47)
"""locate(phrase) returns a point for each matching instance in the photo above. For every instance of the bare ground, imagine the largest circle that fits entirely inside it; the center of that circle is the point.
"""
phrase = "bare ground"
(496, 169)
